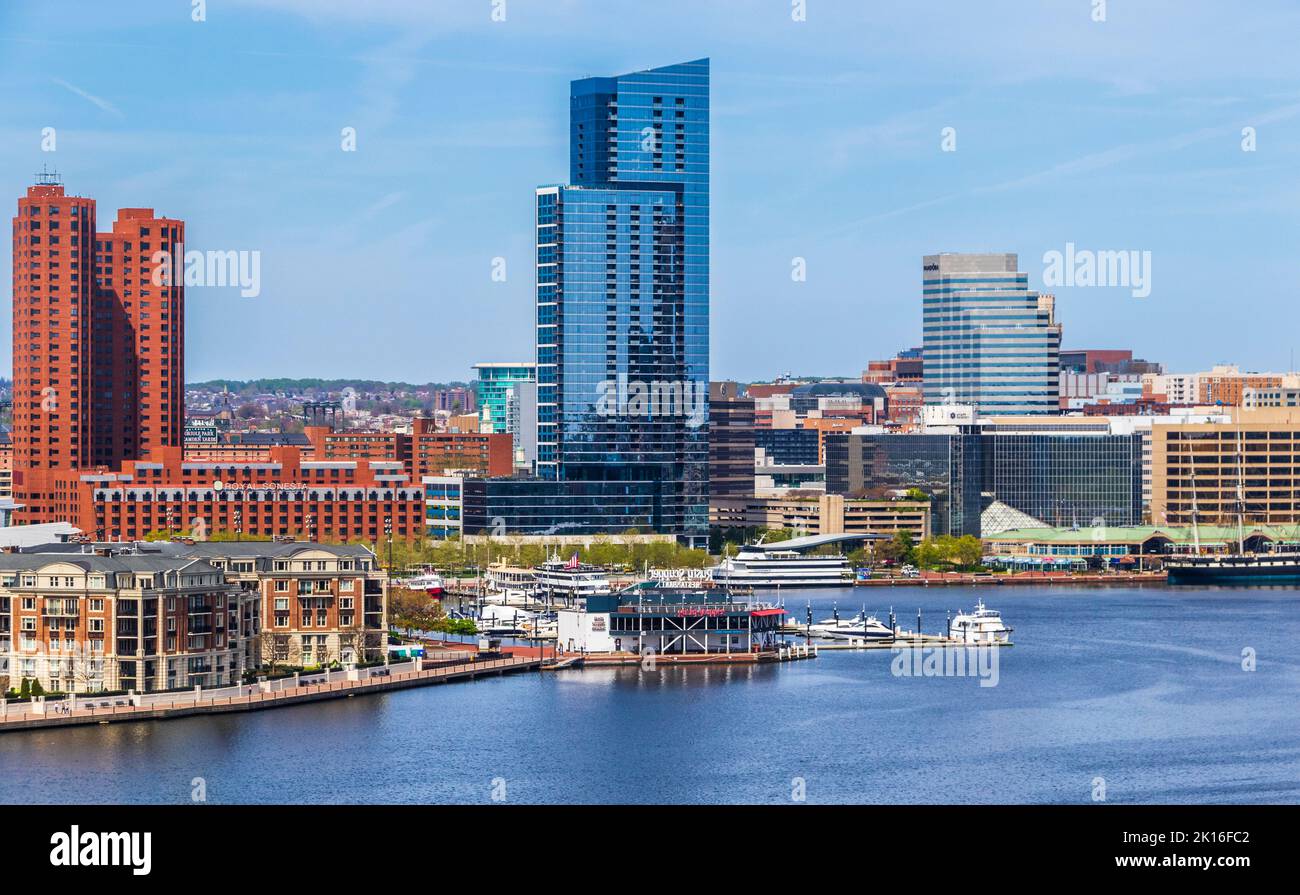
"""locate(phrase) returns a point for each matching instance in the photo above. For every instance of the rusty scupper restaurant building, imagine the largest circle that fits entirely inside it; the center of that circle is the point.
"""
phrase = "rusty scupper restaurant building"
(673, 622)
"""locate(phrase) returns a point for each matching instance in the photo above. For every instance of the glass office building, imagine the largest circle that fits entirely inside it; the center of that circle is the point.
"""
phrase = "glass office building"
(623, 293)
(947, 467)
(1067, 481)
(496, 383)
(785, 447)
(1059, 479)
(534, 506)
(990, 342)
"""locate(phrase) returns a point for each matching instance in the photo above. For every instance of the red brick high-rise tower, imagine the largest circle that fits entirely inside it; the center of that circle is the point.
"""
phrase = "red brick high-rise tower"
(138, 338)
(98, 348)
(53, 290)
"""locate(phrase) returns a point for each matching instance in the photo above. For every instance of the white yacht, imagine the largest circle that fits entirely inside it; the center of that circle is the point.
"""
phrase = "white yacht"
(860, 627)
(427, 580)
(758, 566)
(981, 626)
(497, 620)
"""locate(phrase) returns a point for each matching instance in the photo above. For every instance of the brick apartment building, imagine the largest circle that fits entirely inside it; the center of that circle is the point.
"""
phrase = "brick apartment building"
(287, 497)
(155, 616)
(87, 622)
(98, 410)
(424, 451)
(98, 347)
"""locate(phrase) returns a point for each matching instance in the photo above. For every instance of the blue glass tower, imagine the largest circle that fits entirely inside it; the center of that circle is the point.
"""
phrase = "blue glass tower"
(623, 293)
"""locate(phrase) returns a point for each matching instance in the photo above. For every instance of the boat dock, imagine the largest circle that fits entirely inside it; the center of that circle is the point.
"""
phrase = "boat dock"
(1021, 579)
(789, 653)
(909, 641)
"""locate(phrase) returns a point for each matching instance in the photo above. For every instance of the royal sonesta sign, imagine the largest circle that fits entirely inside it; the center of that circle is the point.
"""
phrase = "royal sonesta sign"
(681, 574)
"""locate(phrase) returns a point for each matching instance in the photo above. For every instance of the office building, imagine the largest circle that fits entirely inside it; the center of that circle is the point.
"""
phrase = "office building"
(623, 294)
(785, 447)
(989, 340)
(496, 383)
(1086, 477)
(1029, 471)
(442, 505)
(1248, 465)
(522, 506)
(826, 514)
(946, 467)
(731, 442)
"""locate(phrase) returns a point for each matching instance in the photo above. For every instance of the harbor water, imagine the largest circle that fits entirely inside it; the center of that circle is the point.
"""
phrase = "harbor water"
(1127, 695)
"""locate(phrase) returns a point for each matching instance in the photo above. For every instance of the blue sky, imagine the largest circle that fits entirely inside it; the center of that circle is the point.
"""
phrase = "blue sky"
(1115, 135)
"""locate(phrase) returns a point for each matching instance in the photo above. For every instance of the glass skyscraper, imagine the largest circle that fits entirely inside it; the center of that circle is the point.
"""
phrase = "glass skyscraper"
(623, 294)
(989, 341)
(495, 383)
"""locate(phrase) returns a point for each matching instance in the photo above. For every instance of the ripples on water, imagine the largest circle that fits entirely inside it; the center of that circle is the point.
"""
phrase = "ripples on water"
(1141, 687)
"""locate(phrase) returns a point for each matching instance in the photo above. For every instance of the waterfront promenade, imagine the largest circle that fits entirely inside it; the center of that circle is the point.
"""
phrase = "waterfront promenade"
(78, 710)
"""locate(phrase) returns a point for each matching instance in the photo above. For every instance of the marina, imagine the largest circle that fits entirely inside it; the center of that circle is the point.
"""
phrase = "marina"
(1136, 685)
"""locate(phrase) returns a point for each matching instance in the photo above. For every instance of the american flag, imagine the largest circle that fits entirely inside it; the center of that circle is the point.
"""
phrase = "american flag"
(573, 563)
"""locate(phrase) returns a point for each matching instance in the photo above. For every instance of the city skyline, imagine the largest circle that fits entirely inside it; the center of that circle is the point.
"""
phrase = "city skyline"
(824, 155)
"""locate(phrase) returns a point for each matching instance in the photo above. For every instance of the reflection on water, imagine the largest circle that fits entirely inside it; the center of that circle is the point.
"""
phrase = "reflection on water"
(1142, 687)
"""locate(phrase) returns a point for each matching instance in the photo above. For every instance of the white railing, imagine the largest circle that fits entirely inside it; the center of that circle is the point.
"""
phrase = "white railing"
(60, 706)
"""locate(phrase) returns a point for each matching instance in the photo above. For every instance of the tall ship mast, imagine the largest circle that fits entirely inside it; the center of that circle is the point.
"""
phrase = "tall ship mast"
(1238, 568)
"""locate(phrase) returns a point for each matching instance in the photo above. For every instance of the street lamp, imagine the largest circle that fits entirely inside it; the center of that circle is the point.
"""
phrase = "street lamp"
(388, 530)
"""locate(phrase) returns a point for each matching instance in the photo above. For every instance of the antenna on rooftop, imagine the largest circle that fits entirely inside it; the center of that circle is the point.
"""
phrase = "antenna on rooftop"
(46, 177)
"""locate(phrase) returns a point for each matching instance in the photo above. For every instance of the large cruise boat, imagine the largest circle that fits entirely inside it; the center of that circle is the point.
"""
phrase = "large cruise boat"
(570, 578)
(760, 565)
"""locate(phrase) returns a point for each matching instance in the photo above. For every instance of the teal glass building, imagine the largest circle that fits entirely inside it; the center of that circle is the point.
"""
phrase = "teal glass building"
(623, 294)
(495, 383)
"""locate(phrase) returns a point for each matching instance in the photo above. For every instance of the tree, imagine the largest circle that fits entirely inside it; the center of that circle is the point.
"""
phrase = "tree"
(969, 551)
(928, 554)
(413, 610)
(898, 549)
(273, 648)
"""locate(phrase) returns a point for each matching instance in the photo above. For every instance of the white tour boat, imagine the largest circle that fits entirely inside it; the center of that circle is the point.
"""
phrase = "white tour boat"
(570, 578)
(758, 566)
